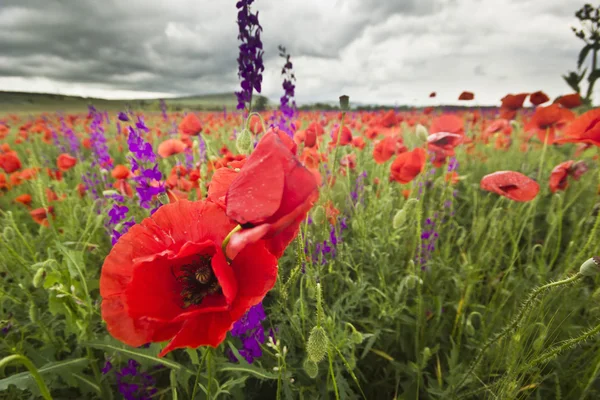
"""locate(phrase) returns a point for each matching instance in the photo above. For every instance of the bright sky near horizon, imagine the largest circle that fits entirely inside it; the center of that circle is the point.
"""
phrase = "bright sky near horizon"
(381, 52)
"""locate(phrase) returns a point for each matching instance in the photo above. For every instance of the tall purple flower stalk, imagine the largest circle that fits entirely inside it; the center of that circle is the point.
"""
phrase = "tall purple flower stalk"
(70, 136)
(143, 160)
(101, 158)
(250, 62)
(132, 383)
(287, 102)
(163, 109)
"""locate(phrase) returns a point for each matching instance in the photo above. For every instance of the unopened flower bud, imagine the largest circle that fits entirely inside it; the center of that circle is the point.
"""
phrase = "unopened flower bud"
(316, 347)
(311, 368)
(38, 278)
(399, 219)
(318, 216)
(591, 267)
(422, 133)
(243, 143)
(33, 313)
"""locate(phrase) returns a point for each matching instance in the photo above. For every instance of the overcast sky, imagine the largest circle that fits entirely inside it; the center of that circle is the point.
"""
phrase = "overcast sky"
(376, 51)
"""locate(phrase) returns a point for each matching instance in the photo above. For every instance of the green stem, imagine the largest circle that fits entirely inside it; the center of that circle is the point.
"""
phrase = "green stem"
(516, 322)
(32, 370)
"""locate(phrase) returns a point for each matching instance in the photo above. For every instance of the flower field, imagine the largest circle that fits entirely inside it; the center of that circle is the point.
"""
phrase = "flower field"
(430, 254)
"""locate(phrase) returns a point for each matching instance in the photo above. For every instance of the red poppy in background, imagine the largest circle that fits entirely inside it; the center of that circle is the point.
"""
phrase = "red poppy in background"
(444, 142)
(171, 147)
(466, 96)
(432, 94)
(40, 215)
(345, 136)
(190, 125)
(387, 148)
(65, 162)
(584, 129)
(24, 199)
(448, 123)
(407, 165)
(569, 100)
(269, 196)
(255, 125)
(10, 162)
(547, 120)
(511, 184)
(121, 172)
(538, 98)
(499, 125)
(511, 103)
(558, 178)
(167, 279)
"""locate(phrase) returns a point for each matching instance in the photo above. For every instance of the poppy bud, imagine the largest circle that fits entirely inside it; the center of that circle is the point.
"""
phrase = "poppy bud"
(311, 368)
(591, 267)
(344, 102)
(243, 143)
(33, 313)
(316, 347)
(422, 133)
(399, 219)
(107, 193)
(356, 337)
(318, 216)
(163, 197)
(38, 278)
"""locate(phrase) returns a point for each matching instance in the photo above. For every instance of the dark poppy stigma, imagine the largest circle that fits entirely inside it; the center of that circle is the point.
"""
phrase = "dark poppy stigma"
(197, 280)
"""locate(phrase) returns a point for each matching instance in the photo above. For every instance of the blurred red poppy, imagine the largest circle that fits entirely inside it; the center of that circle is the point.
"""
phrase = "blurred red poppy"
(450, 123)
(511, 184)
(190, 125)
(466, 96)
(407, 165)
(167, 279)
(547, 120)
(538, 98)
(171, 147)
(387, 148)
(584, 129)
(558, 178)
(10, 162)
(65, 162)
(569, 100)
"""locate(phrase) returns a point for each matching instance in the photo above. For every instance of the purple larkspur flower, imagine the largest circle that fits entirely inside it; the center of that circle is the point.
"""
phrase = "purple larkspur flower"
(251, 332)
(123, 117)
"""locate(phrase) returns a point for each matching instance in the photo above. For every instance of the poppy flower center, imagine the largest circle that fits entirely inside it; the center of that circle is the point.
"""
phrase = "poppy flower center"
(197, 280)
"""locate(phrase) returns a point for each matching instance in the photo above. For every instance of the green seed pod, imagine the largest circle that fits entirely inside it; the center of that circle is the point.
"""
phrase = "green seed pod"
(38, 278)
(399, 219)
(591, 267)
(243, 143)
(538, 344)
(311, 368)
(33, 313)
(318, 216)
(163, 198)
(422, 133)
(316, 347)
(345, 102)
(107, 193)
(469, 328)
(410, 205)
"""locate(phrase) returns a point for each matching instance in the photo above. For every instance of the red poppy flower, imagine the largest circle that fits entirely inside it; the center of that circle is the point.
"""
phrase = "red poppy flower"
(269, 196)
(121, 172)
(584, 129)
(560, 173)
(511, 184)
(408, 165)
(190, 125)
(65, 162)
(255, 125)
(444, 142)
(10, 162)
(167, 278)
(432, 94)
(40, 215)
(466, 96)
(171, 147)
(448, 123)
(538, 98)
(547, 120)
(569, 100)
(514, 101)
(344, 138)
(24, 199)
(358, 142)
(499, 125)
(387, 148)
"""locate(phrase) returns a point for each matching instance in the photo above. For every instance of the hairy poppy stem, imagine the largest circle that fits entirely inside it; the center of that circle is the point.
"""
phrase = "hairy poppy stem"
(226, 242)
(32, 370)
(516, 322)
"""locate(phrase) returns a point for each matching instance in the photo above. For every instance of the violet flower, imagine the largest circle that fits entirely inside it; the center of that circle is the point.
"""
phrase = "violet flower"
(250, 330)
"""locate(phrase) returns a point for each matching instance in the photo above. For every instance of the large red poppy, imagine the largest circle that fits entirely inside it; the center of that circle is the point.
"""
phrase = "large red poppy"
(560, 173)
(269, 196)
(511, 184)
(407, 165)
(387, 148)
(10, 162)
(448, 123)
(584, 129)
(547, 120)
(167, 278)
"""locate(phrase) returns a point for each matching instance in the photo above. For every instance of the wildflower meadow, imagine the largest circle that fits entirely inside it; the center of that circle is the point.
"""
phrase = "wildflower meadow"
(278, 253)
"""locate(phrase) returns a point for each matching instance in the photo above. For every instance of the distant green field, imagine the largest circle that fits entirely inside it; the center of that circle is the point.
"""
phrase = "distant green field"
(20, 102)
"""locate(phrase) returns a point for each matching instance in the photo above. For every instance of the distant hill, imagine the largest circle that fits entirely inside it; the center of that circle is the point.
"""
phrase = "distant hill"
(15, 102)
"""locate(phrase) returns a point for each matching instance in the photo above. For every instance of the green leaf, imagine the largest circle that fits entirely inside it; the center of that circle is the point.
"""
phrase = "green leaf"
(248, 369)
(24, 380)
(594, 75)
(583, 54)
